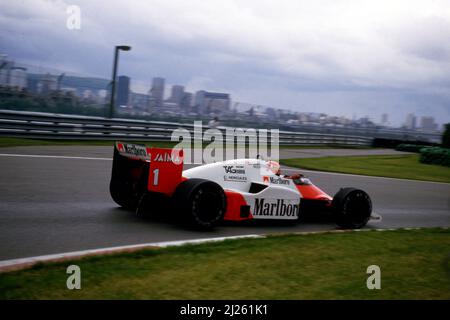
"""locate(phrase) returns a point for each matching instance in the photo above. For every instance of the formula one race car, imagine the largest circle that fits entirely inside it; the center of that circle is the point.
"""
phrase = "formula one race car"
(152, 179)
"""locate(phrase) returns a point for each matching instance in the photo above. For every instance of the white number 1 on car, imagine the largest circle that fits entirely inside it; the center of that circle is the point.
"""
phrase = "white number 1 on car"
(155, 177)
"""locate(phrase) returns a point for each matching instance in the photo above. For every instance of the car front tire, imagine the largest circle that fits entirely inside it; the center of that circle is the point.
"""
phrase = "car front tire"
(351, 208)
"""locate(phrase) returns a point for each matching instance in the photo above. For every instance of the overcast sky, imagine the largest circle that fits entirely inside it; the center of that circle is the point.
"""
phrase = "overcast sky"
(339, 57)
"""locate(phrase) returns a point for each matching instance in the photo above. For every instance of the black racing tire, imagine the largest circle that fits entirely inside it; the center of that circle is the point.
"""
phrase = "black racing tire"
(124, 195)
(351, 208)
(200, 203)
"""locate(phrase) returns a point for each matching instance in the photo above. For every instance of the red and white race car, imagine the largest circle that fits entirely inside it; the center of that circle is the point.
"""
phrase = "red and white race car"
(148, 179)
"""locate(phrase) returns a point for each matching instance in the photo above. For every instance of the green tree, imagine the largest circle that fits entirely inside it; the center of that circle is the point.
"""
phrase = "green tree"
(446, 136)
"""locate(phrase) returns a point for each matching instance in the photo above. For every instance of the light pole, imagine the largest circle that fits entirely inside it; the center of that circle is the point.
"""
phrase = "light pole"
(114, 75)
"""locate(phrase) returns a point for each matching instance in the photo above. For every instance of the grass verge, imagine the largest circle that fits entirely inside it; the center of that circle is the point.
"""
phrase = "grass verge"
(393, 166)
(414, 265)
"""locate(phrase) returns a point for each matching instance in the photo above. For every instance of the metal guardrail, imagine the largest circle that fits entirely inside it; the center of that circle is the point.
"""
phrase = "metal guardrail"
(60, 126)
(373, 132)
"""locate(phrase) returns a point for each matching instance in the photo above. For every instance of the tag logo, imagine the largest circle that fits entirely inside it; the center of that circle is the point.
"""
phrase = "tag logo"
(232, 169)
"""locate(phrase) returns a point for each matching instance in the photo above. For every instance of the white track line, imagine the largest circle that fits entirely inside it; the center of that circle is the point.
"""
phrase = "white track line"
(17, 264)
(50, 156)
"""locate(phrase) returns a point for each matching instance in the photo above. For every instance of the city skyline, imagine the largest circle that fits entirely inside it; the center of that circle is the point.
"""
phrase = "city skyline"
(174, 97)
(354, 57)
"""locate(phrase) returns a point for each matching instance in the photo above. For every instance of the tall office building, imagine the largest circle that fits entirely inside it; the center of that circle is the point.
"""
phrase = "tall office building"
(410, 122)
(123, 91)
(186, 101)
(177, 94)
(157, 91)
(212, 102)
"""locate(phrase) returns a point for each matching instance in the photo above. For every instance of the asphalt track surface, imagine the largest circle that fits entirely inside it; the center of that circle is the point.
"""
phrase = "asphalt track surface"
(56, 199)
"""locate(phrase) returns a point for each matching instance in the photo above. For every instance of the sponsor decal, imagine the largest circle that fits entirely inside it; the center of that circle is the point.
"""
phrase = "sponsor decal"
(234, 169)
(235, 178)
(256, 165)
(275, 180)
(133, 150)
(278, 180)
(275, 207)
(167, 157)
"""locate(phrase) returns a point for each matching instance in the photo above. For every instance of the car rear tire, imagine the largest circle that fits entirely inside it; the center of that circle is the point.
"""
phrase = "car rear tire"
(199, 202)
(351, 208)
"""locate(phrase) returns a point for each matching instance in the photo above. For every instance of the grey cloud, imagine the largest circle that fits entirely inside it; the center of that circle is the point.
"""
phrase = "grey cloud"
(297, 54)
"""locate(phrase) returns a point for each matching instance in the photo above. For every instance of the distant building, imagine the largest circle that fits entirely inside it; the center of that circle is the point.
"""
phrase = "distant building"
(48, 84)
(384, 119)
(123, 91)
(411, 121)
(10, 75)
(69, 90)
(5, 69)
(212, 102)
(18, 78)
(139, 101)
(157, 92)
(33, 85)
(272, 113)
(177, 95)
(87, 94)
(169, 108)
(428, 124)
(102, 93)
(186, 101)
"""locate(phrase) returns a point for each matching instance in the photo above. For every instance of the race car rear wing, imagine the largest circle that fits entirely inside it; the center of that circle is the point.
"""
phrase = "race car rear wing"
(137, 168)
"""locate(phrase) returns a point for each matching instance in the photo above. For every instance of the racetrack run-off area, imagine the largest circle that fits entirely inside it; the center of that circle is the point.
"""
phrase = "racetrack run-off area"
(413, 264)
